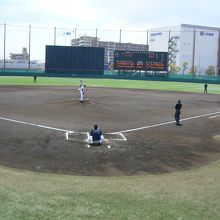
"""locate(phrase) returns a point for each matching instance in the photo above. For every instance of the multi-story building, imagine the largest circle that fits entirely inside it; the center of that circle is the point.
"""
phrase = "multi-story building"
(192, 46)
(85, 41)
(111, 46)
(88, 41)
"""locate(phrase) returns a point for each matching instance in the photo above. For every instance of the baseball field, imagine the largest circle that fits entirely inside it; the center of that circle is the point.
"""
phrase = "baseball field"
(147, 168)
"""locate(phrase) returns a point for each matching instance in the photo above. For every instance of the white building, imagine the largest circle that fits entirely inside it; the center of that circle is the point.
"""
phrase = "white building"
(85, 41)
(88, 41)
(198, 46)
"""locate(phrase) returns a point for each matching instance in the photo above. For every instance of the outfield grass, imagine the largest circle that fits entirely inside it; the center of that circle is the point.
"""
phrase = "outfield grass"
(136, 84)
(188, 195)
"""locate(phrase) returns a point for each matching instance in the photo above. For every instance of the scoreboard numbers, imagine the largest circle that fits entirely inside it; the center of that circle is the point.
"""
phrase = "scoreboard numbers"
(140, 60)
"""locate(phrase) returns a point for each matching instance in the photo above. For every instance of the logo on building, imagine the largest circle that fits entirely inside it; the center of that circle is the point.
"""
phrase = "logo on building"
(204, 33)
(156, 34)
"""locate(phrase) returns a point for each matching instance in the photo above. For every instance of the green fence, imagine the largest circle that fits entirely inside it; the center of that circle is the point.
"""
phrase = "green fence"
(109, 74)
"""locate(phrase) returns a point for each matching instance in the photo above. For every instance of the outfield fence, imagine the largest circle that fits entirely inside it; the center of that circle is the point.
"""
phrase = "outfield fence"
(108, 74)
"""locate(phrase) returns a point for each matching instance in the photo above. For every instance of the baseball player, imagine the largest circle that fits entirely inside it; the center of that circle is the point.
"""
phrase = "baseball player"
(206, 88)
(96, 136)
(82, 90)
(178, 107)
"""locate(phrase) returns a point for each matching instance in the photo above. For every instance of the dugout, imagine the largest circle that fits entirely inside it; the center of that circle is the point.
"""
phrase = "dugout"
(74, 60)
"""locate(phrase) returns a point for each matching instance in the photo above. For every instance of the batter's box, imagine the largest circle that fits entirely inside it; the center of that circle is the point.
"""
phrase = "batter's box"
(77, 136)
(115, 137)
(84, 137)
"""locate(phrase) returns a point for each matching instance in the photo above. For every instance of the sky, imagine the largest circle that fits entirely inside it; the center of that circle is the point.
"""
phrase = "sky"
(107, 16)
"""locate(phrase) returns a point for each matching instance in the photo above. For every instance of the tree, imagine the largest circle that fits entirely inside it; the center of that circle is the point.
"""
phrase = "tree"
(174, 68)
(185, 66)
(210, 71)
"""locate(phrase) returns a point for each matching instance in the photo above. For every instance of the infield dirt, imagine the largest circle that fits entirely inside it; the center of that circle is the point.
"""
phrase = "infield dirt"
(160, 149)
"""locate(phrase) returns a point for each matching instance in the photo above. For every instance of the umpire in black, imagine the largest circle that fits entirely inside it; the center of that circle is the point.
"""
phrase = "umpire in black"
(178, 107)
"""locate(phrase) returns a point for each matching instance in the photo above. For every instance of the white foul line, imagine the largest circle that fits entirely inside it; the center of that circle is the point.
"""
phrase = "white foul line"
(36, 125)
(164, 123)
(67, 132)
(215, 116)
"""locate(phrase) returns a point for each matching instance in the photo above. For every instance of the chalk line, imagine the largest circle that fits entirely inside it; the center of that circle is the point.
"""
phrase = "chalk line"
(164, 123)
(36, 125)
(215, 116)
(67, 132)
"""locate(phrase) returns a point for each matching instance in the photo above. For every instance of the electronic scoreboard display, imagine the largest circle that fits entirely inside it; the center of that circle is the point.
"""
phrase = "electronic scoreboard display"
(140, 60)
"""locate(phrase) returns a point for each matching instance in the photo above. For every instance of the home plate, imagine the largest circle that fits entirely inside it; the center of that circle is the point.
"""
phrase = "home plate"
(84, 137)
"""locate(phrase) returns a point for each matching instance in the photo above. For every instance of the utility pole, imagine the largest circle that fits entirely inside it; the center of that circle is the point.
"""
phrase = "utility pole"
(96, 37)
(55, 36)
(75, 33)
(218, 57)
(120, 39)
(29, 61)
(147, 47)
(193, 52)
(4, 43)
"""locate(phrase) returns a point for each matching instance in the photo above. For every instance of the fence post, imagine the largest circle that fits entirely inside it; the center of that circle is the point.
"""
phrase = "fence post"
(96, 37)
(193, 52)
(29, 59)
(218, 56)
(4, 43)
(120, 39)
(147, 47)
(75, 33)
(55, 36)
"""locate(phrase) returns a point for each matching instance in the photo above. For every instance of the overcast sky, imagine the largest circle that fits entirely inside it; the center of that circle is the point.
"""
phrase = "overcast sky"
(108, 14)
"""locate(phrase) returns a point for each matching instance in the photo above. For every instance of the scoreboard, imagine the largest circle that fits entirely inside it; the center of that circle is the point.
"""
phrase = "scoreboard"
(140, 60)
(74, 60)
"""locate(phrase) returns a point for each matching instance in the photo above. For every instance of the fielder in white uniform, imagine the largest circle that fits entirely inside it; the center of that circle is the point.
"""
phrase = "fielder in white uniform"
(82, 90)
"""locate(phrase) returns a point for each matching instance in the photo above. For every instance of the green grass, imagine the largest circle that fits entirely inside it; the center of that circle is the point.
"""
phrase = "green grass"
(135, 84)
(189, 195)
